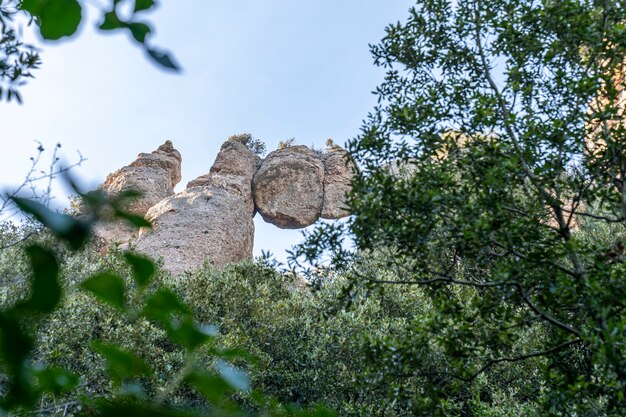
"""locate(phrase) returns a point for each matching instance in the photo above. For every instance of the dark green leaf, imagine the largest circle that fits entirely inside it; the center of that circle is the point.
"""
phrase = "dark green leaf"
(15, 347)
(121, 364)
(74, 232)
(111, 21)
(163, 304)
(59, 18)
(139, 31)
(187, 332)
(108, 409)
(143, 268)
(165, 307)
(55, 380)
(33, 6)
(134, 219)
(212, 387)
(45, 287)
(106, 286)
(163, 59)
(15, 342)
(143, 5)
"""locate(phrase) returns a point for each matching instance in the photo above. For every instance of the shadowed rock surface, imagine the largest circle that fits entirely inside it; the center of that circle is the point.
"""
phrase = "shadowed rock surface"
(339, 169)
(288, 188)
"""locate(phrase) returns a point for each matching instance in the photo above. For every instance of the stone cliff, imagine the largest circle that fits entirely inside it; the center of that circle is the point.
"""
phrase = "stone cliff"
(212, 218)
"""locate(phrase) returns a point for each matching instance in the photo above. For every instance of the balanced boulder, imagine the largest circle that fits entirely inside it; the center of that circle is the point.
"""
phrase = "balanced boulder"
(288, 188)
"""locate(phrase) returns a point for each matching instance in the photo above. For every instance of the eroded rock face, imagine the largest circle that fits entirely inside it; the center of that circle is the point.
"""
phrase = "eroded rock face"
(288, 188)
(198, 224)
(210, 220)
(233, 170)
(339, 169)
(154, 175)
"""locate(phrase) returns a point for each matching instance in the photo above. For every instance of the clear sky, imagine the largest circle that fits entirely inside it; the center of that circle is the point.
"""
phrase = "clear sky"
(274, 68)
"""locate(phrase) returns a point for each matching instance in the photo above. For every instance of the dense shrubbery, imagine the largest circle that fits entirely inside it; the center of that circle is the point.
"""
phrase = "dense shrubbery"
(301, 345)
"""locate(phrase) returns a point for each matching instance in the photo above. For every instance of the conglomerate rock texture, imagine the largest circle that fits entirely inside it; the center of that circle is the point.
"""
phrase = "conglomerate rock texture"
(198, 224)
(288, 188)
(212, 219)
(154, 175)
(339, 169)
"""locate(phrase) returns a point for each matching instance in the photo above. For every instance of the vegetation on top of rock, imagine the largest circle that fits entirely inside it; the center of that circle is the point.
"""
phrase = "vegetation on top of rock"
(255, 145)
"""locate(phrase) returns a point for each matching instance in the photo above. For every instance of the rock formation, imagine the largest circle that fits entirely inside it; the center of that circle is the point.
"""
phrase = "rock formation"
(338, 172)
(154, 175)
(288, 188)
(212, 219)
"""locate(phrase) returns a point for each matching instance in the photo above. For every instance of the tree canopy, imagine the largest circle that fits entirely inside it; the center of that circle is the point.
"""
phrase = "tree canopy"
(492, 177)
(57, 19)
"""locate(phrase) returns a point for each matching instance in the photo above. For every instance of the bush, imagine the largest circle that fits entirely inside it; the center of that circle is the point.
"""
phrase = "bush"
(255, 145)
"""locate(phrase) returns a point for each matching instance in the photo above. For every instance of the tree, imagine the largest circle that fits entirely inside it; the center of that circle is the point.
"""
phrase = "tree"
(56, 19)
(506, 119)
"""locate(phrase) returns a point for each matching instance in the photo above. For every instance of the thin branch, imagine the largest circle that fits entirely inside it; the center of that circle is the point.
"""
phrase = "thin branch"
(447, 279)
(549, 199)
(595, 216)
(521, 357)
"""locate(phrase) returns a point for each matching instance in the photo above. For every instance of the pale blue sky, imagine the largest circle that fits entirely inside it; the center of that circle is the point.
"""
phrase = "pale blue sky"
(273, 68)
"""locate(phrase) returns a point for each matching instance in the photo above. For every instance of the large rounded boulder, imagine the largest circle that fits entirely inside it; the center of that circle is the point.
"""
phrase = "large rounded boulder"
(288, 188)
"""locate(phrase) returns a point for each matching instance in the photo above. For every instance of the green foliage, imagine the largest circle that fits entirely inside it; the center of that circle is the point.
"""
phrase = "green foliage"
(508, 120)
(255, 145)
(16, 58)
(57, 19)
(48, 340)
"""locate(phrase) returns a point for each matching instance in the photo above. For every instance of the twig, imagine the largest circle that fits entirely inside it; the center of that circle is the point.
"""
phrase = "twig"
(518, 358)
